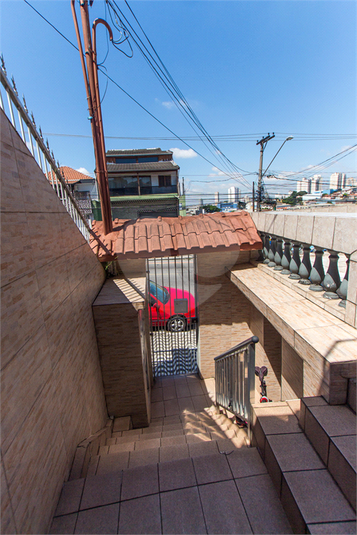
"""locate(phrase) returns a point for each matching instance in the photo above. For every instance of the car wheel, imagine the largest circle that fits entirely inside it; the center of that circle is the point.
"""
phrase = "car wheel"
(176, 324)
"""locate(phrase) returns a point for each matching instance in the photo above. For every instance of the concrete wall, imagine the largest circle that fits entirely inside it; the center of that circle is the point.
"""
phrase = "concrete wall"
(51, 387)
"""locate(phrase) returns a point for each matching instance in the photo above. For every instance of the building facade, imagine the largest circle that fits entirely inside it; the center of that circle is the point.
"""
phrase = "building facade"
(143, 183)
(233, 194)
(304, 185)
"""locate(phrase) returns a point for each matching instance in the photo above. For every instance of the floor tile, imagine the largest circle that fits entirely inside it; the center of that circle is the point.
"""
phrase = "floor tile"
(149, 436)
(125, 439)
(277, 420)
(156, 395)
(200, 402)
(157, 409)
(333, 528)
(172, 433)
(186, 404)
(141, 515)
(246, 462)
(336, 420)
(211, 468)
(262, 505)
(202, 448)
(197, 437)
(101, 490)
(173, 441)
(289, 452)
(152, 430)
(223, 509)
(176, 474)
(98, 520)
(121, 448)
(181, 512)
(63, 524)
(182, 391)
(171, 407)
(146, 444)
(317, 496)
(132, 432)
(140, 481)
(70, 497)
(169, 392)
(173, 453)
(113, 462)
(143, 457)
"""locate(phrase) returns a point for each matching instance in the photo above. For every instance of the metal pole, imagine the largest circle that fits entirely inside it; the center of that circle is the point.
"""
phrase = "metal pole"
(253, 196)
(262, 144)
(89, 74)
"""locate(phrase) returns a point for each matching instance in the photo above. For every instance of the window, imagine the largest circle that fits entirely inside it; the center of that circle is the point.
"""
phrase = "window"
(125, 160)
(164, 181)
(145, 159)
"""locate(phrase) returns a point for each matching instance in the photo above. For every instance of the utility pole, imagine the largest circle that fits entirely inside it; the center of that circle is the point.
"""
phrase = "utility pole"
(253, 196)
(90, 73)
(262, 144)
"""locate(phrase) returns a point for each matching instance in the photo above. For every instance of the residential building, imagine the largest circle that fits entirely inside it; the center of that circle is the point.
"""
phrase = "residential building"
(337, 180)
(143, 183)
(304, 185)
(233, 194)
(315, 183)
(216, 197)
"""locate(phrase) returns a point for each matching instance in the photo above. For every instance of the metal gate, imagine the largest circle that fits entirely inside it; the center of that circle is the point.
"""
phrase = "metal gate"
(173, 312)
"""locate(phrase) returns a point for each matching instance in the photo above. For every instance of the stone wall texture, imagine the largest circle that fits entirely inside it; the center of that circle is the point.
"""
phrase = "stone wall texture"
(51, 386)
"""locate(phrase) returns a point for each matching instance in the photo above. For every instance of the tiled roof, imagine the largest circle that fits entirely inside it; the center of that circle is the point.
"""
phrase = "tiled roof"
(124, 152)
(171, 236)
(148, 166)
(70, 175)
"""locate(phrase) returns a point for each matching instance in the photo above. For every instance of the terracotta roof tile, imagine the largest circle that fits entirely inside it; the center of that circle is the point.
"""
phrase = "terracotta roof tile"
(170, 236)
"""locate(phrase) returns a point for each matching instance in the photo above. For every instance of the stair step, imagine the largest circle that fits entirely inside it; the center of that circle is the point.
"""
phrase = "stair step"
(331, 429)
(122, 424)
(190, 495)
(308, 492)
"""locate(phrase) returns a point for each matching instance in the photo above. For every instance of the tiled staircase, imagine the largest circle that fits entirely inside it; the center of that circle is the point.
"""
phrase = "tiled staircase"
(309, 448)
(190, 471)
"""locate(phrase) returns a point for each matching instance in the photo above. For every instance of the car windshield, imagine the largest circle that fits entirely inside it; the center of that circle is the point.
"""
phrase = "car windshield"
(159, 292)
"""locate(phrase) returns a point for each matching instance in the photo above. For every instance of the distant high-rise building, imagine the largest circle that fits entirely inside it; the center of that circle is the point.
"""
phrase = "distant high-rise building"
(304, 185)
(233, 194)
(315, 183)
(216, 197)
(337, 180)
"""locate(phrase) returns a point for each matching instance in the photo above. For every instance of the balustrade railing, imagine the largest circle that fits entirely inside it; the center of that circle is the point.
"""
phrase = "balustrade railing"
(293, 259)
(235, 380)
(25, 125)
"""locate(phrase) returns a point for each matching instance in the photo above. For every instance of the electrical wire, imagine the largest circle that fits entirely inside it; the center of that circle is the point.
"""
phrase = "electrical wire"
(169, 84)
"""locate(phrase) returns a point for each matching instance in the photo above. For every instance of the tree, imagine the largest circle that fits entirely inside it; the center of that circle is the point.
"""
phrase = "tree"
(210, 208)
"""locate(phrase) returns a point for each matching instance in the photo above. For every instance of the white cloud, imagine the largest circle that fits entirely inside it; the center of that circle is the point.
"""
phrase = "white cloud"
(83, 170)
(217, 172)
(184, 153)
(169, 105)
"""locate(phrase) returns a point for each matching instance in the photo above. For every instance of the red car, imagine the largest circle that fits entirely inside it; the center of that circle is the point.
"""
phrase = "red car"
(172, 308)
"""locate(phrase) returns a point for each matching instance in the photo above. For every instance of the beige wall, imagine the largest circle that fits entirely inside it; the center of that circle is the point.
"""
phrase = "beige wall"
(51, 387)
(223, 310)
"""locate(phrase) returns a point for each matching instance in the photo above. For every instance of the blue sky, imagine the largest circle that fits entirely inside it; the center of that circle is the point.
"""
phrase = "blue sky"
(246, 69)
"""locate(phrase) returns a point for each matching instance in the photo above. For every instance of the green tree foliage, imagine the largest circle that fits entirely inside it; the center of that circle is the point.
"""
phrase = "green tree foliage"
(295, 198)
(210, 208)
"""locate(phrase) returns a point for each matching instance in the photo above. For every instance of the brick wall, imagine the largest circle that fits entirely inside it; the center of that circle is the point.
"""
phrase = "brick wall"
(51, 387)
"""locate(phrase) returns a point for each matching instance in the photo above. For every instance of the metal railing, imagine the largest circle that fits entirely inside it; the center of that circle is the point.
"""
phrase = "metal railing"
(25, 126)
(235, 380)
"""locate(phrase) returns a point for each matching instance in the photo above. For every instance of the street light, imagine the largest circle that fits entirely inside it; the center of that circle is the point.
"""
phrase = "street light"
(261, 175)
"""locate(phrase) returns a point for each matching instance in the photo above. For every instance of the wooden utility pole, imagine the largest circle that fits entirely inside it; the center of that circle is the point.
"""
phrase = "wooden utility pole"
(262, 144)
(90, 73)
